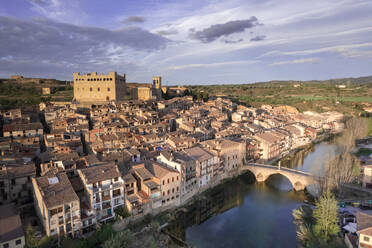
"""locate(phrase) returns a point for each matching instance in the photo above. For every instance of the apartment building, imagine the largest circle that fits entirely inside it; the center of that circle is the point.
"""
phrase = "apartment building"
(57, 205)
(231, 153)
(205, 162)
(103, 191)
(183, 164)
(269, 145)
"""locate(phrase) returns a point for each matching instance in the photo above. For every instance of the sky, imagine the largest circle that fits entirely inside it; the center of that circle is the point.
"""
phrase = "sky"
(188, 41)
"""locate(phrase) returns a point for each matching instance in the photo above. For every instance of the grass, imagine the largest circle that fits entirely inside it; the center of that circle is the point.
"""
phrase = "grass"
(340, 99)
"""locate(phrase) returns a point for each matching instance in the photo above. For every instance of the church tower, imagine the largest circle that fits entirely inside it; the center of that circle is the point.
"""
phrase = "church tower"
(156, 82)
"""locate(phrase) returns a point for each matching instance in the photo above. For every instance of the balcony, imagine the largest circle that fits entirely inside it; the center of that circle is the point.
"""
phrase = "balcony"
(116, 185)
(116, 194)
(106, 198)
(106, 205)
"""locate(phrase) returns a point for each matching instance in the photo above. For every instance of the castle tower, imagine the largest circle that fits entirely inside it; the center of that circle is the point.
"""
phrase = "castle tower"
(94, 87)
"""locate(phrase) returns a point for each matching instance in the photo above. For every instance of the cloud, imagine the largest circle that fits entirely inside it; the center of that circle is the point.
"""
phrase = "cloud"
(296, 61)
(50, 44)
(167, 32)
(218, 30)
(233, 41)
(59, 10)
(133, 19)
(259, 38)
(181, 67)
(348, 51)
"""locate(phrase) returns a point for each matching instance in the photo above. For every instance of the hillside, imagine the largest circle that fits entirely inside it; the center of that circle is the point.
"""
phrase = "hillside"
(319, 96)
(19, 92)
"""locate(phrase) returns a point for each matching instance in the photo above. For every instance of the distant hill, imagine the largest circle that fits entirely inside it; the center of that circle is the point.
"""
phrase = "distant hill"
(358, 81)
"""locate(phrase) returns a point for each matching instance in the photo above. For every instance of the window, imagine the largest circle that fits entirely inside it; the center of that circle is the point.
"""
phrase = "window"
(6, 245)
(168, 191)
(163, 193)
(173, 190)
(172, 179)
(365, 238)
(13, 181)
(163, 182)
(108, 89)
(168, 180)
(116, 179)
(91, 89)
(98, 89)
(177, 178)
(18, 242)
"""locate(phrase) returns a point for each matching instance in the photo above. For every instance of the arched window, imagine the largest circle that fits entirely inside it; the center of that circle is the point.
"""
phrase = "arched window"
(108, 89)
(107, 98)
(91, 89)
(98, 89)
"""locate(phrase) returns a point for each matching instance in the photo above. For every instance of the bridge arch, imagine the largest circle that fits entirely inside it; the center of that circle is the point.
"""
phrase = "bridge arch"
(299, 180)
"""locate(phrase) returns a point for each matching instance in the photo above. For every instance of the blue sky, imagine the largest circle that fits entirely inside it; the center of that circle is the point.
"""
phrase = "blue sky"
(187, 42)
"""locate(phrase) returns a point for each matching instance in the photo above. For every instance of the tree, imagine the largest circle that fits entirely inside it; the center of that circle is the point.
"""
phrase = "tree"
(122, 211)
(325, 215)
(120, 240)
(31, 241)
(303, 219)
(344, 168)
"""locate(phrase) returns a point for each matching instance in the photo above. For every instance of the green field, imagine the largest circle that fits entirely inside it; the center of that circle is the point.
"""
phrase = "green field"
(339, 99)
(317, 96)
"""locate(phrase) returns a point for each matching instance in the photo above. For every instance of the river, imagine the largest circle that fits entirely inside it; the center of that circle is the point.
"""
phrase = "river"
(244, 213)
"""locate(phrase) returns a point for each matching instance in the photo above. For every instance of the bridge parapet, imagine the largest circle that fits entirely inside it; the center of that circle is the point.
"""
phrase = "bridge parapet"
(299, 179)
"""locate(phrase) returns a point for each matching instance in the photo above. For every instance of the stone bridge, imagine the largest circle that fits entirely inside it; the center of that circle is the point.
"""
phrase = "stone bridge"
(299, 179)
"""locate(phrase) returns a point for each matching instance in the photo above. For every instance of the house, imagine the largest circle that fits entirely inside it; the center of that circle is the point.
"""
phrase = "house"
(11, 231)
(57, 205)
(26, 130)
(158, 182)
(169, 180)
(364, 230)
(183, 164)
(15, 182)
(367, 176)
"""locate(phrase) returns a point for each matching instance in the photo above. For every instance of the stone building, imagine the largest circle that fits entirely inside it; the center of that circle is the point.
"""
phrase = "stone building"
(11, 231)
(93, 87)
(57, 205)
(146, 92)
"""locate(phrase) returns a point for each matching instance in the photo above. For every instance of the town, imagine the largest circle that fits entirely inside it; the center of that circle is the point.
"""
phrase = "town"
(77, 164)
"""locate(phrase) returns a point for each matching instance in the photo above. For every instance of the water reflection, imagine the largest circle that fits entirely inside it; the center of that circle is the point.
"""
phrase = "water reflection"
(240, 214)
(279, 182)
(244, 213)
(312, 159)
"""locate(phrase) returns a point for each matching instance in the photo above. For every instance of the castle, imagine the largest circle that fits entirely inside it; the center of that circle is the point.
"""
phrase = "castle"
(93, 87)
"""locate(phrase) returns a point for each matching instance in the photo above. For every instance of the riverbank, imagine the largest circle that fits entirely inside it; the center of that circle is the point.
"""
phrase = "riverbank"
(197, 196)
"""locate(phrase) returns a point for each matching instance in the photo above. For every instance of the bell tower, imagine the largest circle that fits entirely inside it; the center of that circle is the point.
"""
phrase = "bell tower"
(156, 82)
